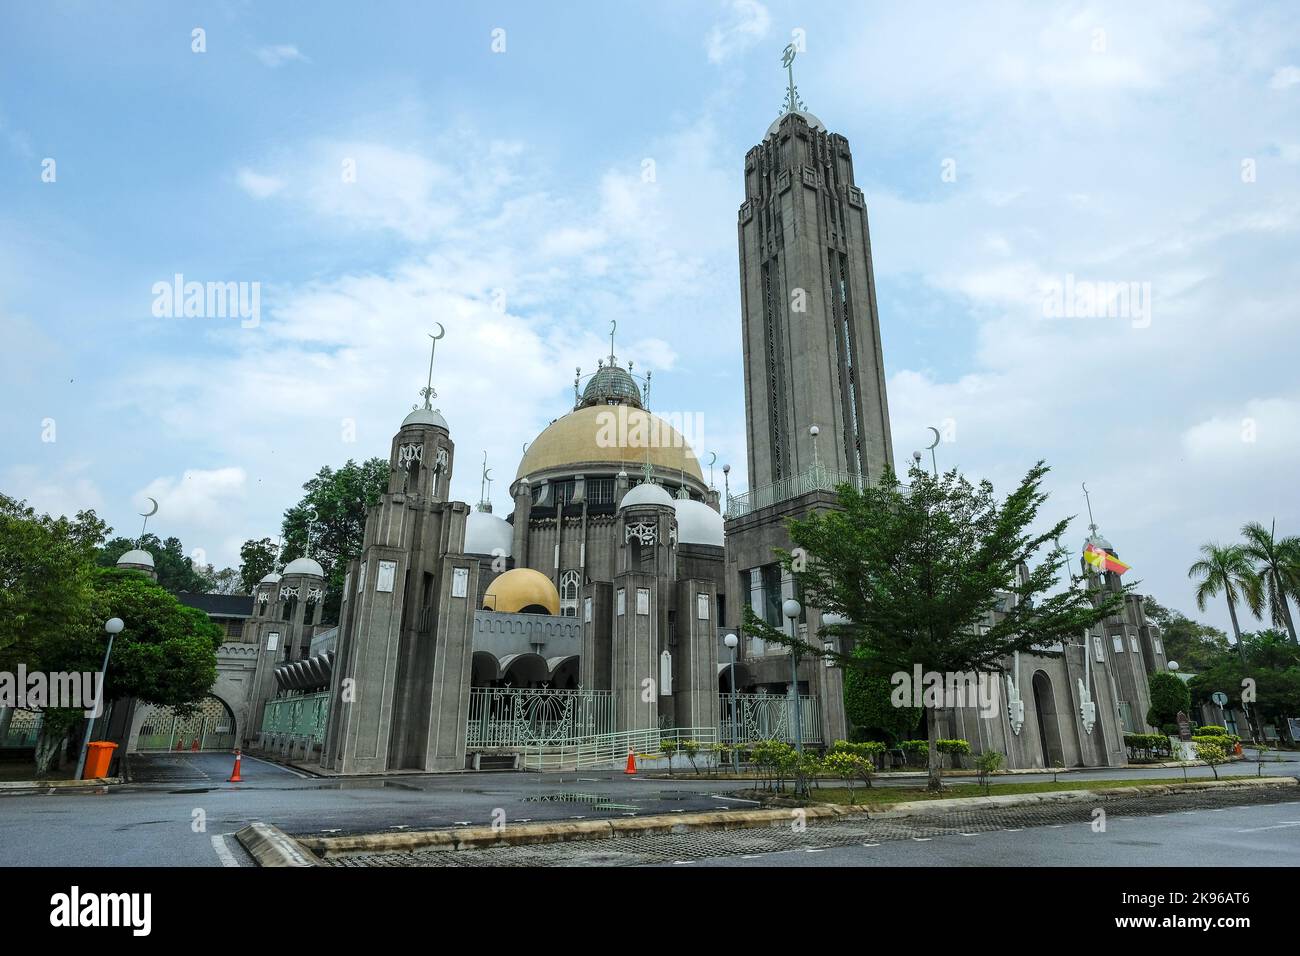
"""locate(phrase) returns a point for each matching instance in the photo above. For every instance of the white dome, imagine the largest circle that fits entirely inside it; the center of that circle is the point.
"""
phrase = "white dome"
(136, 557)
(697, 523)
(304, 566)
(647, 493)
(271, 578)
(425, 416)
(813, 121)
(831, 620)
(487, 534)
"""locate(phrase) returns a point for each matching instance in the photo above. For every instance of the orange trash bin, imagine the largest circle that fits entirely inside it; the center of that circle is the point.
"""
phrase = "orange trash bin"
(99, 754)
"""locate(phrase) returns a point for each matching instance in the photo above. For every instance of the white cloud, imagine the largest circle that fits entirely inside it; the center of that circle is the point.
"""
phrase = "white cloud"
(279, 54)
(257, 185)
(1285, 77)
(747, 23)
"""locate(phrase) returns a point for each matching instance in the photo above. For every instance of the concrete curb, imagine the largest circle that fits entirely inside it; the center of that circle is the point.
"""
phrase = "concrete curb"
(271, 846)
(57, 784)
(477, 838)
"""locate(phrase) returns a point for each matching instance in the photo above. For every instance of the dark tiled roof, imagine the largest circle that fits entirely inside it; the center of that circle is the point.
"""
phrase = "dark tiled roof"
(219, 605)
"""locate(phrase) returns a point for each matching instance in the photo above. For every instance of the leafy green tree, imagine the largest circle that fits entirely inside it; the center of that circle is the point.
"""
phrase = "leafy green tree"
(1212, 755)
(915, 569)
(868, 706)
(257, 559)
(1224, 568)
(175, 569)
(166, 653)
(333, 513)
(46, 567)
(1277, 567)
(1272, 672)
(1169, 695)
(1195, 646)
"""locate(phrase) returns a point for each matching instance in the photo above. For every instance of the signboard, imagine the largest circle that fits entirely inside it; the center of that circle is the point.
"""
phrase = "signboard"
(273, 640)
(643, 600)
(459, 582)
(1184, 726)
(586, 610)
(384, 578)
(622, 602)
(1220, 698)
(702, 607)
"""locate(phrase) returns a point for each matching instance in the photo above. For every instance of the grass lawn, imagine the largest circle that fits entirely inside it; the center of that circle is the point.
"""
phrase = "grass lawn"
(877, 795)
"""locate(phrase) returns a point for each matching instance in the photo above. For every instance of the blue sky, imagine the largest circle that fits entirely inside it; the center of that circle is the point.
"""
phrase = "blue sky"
(502, 194)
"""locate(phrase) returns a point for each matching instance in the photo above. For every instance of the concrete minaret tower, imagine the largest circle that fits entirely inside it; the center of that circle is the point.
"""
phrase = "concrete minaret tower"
(400, 682)
(811, 332)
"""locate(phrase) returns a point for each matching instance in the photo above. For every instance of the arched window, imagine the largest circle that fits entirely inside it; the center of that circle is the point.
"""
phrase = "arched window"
(569, 582)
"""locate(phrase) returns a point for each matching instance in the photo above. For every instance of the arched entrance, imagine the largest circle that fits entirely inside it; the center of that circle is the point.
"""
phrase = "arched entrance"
(210, 722)
(1049, 730)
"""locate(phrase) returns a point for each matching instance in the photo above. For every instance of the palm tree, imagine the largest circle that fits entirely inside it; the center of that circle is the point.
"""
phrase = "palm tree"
(1277, 566)
(1225, 569)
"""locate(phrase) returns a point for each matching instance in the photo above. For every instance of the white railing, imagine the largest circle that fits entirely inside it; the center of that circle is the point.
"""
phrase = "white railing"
(609, 750)
(522, 719)
(769, 717)
(816, 478)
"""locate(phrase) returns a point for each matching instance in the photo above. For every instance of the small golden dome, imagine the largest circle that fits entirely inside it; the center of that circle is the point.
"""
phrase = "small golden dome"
(609, 435)
(522, 591)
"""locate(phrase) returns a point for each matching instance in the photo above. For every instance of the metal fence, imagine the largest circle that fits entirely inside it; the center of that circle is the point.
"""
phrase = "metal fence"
(521, 718)
(769, 717)
(304, 716)
(816, 478)
(207, 726)
(24, 727)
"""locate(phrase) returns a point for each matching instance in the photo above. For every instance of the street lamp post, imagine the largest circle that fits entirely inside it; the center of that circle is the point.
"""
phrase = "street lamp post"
(791, 609)
(731, 641)
(113, 626)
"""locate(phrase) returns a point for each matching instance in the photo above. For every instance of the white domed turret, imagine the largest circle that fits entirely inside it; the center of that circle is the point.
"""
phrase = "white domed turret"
(304, 566)
(425, 416)
(697, 523)
(271, 578)
(647, 493)
(136, 559)
(487, 534)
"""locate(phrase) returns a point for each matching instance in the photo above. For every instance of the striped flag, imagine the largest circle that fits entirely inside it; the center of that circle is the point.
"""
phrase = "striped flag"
(1103, 560)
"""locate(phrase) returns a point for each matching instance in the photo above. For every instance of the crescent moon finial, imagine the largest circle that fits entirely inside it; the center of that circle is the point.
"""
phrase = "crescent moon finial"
(937, 437)
(150, 514)
(441, 332)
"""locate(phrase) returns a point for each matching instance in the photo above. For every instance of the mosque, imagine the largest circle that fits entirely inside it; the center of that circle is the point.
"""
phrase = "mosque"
(605, 610)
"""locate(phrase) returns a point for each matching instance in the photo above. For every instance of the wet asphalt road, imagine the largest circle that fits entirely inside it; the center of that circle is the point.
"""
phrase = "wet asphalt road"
(180, 811)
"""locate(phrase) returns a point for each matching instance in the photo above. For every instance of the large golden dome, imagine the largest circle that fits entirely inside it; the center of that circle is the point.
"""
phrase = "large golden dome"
(609, 435)
(522, 590)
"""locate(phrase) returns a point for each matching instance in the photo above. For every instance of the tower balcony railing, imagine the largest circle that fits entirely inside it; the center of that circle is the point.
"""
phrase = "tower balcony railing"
(816, 478)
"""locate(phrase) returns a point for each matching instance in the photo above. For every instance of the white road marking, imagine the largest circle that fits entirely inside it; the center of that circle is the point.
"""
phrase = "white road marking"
(223, 852)
(277, 766)
(814, 849)
(1013, 829)
(922, 839)
(754, 856)
(719, 796)
(871, 844)
(1276, 826)
(970, 834)
(682, 862)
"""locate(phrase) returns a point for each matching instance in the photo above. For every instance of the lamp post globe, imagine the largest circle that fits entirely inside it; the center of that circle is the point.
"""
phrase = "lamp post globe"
(732, 641)
(112, 627)
(791, 609)
(1172, 665)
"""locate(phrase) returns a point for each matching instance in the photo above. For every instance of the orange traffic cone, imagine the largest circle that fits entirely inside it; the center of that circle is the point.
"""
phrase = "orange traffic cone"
(631, 762)
(234, 776)
(180, 743)
(1237, 749)
(195, 746)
